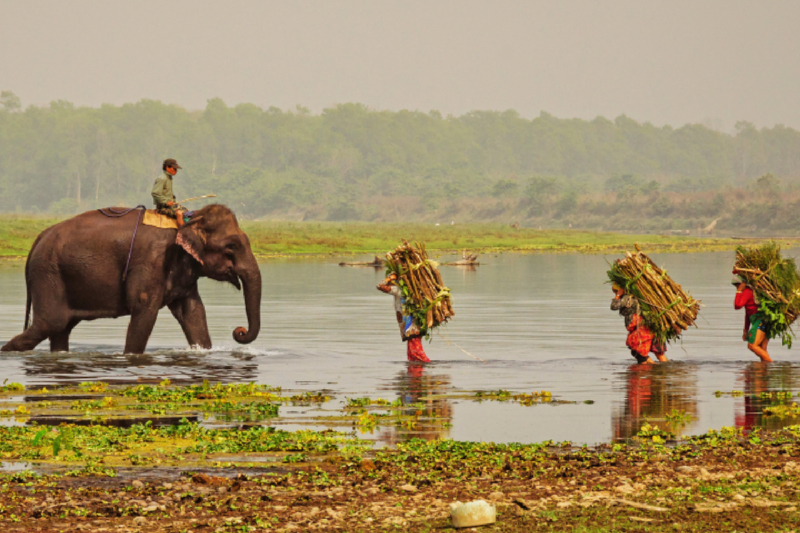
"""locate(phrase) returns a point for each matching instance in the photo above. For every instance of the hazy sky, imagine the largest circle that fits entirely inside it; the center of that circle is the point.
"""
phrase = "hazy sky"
(668, 62)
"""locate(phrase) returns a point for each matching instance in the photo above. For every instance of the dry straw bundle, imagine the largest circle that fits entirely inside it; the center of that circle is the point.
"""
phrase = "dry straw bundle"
(776, 284)
(426, 297)
(667, 309)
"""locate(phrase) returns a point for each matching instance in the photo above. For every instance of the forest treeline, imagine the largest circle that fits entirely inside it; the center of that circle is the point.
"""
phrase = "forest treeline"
(354, 163)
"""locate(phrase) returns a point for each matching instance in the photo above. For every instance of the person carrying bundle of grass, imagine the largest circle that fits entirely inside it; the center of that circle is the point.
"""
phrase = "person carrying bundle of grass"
(768, 287)
(641, 340)
(409, 331)
(656, 309)
(421, 301)
(755, 328)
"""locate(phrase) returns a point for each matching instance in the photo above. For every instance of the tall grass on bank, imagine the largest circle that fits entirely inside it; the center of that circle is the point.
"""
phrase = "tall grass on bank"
(17, 233)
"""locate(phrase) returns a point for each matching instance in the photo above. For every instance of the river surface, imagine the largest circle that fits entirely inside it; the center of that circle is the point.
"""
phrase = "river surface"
(538, 322)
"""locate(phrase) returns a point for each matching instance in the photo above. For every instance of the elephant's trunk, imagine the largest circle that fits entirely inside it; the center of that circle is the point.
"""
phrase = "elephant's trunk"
(251, 286)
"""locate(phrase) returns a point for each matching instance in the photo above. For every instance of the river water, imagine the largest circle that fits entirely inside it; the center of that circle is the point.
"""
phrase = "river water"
(538, 322)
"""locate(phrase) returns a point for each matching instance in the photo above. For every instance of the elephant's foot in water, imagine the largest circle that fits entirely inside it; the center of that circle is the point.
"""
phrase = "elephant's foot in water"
(191, 315)
(139, 330)
(25, 341)
(38, 332)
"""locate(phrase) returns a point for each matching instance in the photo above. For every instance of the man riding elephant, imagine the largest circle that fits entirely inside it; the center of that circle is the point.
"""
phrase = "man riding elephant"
(104, 264)
(163, 196)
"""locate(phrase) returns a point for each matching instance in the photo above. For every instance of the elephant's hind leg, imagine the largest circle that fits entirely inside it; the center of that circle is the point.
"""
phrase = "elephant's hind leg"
(59, 342)
(28, 339)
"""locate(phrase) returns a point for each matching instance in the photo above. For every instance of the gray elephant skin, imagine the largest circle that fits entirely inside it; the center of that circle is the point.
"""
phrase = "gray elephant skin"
(74, 272)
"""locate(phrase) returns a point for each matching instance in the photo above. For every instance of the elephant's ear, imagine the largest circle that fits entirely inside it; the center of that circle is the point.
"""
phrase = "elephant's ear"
(192, 238)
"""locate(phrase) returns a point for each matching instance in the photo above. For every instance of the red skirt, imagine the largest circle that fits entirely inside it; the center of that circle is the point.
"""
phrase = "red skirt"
(415, 351)
(641, 340)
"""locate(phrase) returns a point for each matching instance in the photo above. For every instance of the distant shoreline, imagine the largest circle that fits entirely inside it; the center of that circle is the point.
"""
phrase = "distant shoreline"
(317, 239)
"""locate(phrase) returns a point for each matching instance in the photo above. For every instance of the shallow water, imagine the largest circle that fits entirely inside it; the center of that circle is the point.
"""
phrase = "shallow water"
(539, 322)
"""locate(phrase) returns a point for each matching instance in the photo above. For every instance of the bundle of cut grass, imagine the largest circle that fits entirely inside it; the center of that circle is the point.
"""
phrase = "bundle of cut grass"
(426, 297)
(776, 284)
(667, 310)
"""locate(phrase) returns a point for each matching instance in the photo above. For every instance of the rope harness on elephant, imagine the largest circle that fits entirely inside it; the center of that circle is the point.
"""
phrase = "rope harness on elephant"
(118, 213)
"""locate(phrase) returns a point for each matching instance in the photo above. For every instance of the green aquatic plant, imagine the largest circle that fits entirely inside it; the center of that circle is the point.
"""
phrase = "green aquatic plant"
(309, 397)
(678, 417)
(651, 433)
(93, 386)
(791, 410)
(11, 387)
(251, 410)
(365, 401)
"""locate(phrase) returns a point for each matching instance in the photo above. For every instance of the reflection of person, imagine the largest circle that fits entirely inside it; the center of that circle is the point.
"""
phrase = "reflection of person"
(640, 339)
(422, 398)
(755, 331)
(162, 193)
(755, 382)
(651, 393)
(409, 331)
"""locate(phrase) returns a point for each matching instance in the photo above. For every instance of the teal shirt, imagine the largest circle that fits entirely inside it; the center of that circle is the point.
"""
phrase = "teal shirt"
(162, 190)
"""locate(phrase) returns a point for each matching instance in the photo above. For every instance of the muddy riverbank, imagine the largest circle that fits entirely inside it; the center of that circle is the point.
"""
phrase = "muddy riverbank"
(721, 481)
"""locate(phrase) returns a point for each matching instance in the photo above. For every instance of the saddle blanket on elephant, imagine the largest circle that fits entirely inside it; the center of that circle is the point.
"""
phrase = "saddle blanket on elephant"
(157, 220)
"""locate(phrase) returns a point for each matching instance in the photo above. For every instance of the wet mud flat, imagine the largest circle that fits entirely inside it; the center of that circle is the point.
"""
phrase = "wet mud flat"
(132, 458)
(720, 481)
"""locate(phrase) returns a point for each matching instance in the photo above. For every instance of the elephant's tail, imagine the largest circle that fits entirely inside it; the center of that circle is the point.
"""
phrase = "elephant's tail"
(27, 312)
(28, 284)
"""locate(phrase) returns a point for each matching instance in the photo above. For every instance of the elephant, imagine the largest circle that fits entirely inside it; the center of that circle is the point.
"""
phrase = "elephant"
(90, 267)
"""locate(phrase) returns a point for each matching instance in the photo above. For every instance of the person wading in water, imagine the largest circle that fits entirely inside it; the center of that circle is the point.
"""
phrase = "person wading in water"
(164, 197)
(755, 332)
(640, 340)
(409, 331)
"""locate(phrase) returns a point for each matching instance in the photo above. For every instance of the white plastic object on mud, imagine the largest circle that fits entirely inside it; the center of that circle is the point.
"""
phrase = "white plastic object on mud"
(471, 514)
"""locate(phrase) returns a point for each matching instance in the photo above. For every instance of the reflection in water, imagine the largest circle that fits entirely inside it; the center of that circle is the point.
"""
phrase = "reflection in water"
(179, 367)
(417, 392)
(761, 383)
(652, 393)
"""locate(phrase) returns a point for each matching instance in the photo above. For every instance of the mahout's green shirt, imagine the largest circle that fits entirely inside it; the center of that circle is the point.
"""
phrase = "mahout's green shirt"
(162, 190)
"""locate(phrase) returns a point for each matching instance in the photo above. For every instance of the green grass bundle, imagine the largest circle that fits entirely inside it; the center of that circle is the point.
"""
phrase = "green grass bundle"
(426, 297)
(667, 310)
(776, 284)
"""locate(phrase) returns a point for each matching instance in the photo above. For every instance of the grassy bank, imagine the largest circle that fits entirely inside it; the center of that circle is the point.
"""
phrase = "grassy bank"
(17, 233)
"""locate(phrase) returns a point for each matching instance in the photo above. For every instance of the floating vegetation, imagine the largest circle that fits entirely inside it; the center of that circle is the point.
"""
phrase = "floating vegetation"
(653, 434)
(364, 402)
(676, 416)
(91, 386)
(309, 398)
(734, 393)
(88, 405)
(11, 387)
(144, 444)
(790, 410)
(524, 398)
(241, 411)
(165, 393)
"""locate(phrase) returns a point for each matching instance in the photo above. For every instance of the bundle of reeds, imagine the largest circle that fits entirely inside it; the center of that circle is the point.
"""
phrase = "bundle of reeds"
(667, 309)
(776, 284)
(426, 297)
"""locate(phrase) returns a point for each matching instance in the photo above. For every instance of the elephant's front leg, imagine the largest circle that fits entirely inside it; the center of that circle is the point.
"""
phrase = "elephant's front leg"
(144, 313)
(191, 315)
